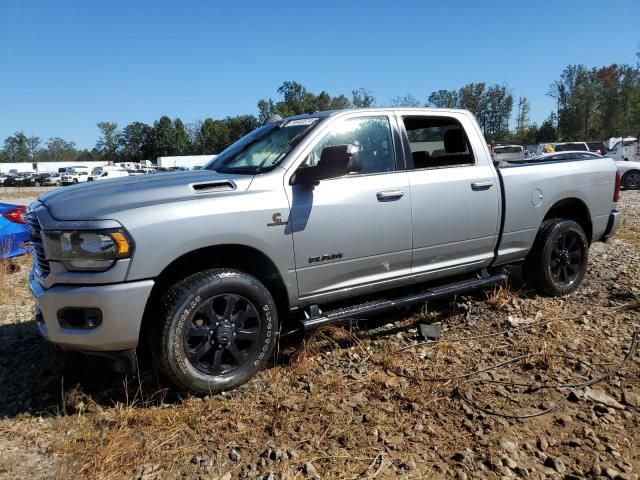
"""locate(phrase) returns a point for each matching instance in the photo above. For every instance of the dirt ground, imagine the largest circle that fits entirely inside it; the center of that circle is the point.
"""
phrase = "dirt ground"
(517, 386)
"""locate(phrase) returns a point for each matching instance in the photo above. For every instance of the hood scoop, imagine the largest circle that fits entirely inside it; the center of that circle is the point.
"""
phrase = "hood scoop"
(215, 186)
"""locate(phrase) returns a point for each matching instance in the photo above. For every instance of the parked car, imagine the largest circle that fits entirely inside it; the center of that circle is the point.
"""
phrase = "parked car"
(13, 231)
(3, 178)
(597, 147)
(570, 147)
(18, 179)
(28, 179)
(75, 176)
(297, 219)
(567, 156)
(629, 171)
(508, 153)
(52, 179)
(141, 171)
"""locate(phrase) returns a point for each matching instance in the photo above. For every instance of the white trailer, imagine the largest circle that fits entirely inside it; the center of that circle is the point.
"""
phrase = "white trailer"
(185, 161)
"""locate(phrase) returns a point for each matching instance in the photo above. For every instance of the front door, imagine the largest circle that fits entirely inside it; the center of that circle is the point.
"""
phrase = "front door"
(353, 231)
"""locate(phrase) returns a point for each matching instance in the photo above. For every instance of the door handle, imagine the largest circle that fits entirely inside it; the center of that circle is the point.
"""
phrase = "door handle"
(477, 186)
(390, 195)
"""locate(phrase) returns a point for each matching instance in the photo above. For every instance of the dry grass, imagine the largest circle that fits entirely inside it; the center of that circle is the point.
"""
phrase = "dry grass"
(355, 403)
(629, 231)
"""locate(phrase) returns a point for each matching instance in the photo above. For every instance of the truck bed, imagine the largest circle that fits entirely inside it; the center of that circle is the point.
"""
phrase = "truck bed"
(532, 187)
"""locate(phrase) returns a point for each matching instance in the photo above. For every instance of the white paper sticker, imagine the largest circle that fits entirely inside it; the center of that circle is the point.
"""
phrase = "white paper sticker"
(300, 122)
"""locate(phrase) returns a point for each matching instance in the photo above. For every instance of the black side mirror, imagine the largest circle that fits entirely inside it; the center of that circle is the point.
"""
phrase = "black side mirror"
(335, 161)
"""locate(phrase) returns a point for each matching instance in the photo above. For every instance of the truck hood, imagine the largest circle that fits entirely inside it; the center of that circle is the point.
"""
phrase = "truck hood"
(100, 200)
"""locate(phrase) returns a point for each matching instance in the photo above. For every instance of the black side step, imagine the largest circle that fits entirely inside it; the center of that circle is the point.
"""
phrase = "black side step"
(378, 306)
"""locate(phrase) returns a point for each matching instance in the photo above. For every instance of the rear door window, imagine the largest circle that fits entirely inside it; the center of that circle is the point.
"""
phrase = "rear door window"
(437, 142)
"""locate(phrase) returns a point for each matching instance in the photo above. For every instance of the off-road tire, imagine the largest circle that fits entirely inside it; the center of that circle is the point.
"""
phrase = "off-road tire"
(542, 261)
(170, 346)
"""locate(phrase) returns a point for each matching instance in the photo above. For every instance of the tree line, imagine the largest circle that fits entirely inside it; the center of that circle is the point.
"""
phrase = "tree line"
(591, 104)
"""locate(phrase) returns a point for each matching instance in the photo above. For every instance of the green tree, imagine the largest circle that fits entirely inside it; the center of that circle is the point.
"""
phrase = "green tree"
(498, 104)
(164, 136)
(297, 100)
(406, 101)
(547, 132)
(182, 142)
(136, 142)
(59, 150)
(575, 94)
(472, 97)
(522, 119)
(108, 141)
(444, 99)
(16, 148)
(33, 143)
(362, 98)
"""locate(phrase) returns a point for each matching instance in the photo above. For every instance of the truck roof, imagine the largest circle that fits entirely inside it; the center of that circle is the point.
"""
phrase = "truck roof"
(421, 110)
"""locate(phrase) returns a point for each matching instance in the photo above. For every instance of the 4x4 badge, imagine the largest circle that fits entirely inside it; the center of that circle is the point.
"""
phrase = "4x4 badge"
(277, 220)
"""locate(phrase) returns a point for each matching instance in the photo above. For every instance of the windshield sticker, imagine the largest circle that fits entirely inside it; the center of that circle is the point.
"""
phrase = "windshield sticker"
(301, 122)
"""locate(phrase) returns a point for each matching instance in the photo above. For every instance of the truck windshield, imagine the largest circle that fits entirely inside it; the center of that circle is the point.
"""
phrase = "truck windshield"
(262, 149)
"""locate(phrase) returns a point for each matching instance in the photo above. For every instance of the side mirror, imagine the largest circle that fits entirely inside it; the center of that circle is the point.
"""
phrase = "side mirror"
(335, 161)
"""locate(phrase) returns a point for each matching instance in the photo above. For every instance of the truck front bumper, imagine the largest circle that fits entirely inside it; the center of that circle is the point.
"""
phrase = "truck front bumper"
(615, 217)
(116, 314)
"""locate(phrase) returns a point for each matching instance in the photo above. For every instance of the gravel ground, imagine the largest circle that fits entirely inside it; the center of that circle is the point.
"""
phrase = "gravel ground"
(502, 394)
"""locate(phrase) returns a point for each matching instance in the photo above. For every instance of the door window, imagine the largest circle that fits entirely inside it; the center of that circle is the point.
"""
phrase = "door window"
(437, 142)
(372, 136)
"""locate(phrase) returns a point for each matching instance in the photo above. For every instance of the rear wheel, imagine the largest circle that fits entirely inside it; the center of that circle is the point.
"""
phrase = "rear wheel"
(557, 262)
(631, 180)
(218, 329)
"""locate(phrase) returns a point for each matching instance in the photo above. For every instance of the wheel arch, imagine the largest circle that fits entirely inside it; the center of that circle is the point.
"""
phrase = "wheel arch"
(240, 257)
(572, 209)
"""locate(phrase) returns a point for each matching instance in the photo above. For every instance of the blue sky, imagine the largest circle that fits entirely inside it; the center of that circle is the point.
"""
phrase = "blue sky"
(68, 65)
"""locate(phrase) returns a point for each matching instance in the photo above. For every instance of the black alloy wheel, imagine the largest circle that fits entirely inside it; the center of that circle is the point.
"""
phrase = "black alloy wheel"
(222, 334)
(219, 327)
(557, 262)
(567, 258)
(631, 180)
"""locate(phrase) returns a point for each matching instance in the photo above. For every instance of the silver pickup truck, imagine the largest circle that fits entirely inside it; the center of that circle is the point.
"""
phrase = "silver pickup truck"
(370, 208)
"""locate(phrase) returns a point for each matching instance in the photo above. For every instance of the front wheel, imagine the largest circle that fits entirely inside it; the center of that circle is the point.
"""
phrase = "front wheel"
(557, 262)
(219, 328)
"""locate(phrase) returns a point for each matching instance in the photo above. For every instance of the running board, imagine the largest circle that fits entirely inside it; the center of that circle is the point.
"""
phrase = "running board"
(319, 318)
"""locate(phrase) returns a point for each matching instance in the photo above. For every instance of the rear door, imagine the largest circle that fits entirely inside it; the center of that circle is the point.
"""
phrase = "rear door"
(455, 194)
(354, 231)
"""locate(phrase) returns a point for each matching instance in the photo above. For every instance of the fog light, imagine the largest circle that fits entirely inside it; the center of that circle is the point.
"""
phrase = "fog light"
(79, 318)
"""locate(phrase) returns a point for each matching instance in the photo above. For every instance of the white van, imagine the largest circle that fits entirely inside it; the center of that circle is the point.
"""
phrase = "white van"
(111, 173)
(98, 171)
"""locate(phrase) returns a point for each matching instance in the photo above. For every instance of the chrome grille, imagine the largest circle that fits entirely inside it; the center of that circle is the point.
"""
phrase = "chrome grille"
(37, 249)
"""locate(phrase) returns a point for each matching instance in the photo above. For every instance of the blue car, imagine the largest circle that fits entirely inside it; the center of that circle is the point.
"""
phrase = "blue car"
(13, 231)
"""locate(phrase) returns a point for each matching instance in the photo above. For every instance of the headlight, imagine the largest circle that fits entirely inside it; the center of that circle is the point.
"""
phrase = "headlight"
(86, 250)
